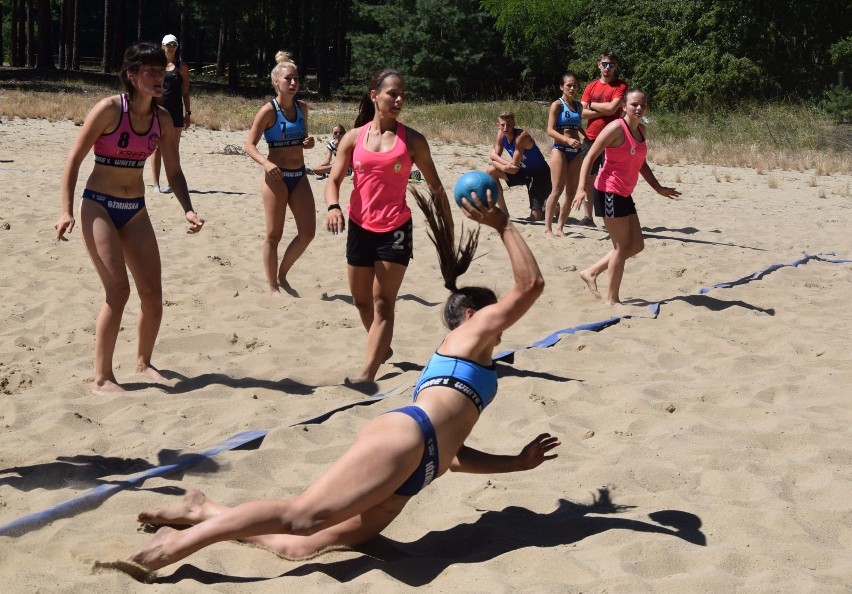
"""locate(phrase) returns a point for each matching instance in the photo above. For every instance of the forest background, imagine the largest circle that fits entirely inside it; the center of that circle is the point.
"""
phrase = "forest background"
(688, 54)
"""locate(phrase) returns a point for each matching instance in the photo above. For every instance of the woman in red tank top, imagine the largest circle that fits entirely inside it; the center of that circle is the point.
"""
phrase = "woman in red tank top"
(113, 218)
(624, 143)
(379, 241)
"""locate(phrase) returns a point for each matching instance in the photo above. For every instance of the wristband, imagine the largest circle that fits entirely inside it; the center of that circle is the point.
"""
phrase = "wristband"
(187, 113)
(333, 207)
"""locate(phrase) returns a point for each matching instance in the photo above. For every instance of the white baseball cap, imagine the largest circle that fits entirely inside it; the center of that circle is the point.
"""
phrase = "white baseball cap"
(169, 39)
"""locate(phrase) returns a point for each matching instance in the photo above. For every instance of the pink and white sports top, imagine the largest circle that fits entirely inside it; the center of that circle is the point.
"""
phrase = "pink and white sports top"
(378, 202)
(620, 170)
(123, 147)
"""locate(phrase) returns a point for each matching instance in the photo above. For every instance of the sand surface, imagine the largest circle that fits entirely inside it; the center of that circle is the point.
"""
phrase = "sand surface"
(705, 449)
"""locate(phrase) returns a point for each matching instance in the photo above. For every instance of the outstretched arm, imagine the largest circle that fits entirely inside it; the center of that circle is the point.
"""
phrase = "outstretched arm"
(656, 185)
(534, 453)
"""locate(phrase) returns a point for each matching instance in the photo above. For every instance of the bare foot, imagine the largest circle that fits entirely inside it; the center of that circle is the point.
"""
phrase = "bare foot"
(558, 232)
(153, 556)
(274, 292)
(364, 386)
(283, 284)
(549, 233)
(150, 371)
(591, 282)
(106, 387)
(190, 511)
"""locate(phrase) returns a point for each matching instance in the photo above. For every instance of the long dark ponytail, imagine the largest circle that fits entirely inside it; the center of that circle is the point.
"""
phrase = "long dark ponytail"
(453, 260)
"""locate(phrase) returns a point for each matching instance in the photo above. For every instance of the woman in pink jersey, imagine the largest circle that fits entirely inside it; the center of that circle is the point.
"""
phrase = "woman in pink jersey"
(379, 242)
(124, 130)
(626, 148)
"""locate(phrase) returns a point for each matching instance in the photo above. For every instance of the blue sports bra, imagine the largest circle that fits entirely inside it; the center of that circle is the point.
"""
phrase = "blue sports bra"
(568, 118)
(477, 382)
(283, 132)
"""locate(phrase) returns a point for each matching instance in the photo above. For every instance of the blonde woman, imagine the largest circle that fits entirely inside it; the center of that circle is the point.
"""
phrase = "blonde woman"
(283, 124)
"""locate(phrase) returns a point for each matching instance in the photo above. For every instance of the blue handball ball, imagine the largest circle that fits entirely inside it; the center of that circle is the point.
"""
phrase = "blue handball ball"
(475, 181)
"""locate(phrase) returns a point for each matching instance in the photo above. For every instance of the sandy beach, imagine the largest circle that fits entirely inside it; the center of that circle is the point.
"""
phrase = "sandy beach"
(705, 448)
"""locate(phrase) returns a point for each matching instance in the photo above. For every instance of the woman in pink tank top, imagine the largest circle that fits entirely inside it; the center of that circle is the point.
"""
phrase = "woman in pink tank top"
(379, 245)
(624, 143)
(124, 130)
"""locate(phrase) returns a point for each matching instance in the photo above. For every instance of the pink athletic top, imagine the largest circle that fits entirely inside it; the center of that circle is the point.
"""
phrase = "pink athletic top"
(378, 202)
(123, 147)
(620, 170)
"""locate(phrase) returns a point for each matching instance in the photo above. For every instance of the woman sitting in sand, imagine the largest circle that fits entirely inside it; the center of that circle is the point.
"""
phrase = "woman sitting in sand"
(113, 217)
(283, 123)
(398, 453)
(624, 142)
(323, 169)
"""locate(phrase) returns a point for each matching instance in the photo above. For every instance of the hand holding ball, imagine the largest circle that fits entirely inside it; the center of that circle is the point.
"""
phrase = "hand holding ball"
(477, 182)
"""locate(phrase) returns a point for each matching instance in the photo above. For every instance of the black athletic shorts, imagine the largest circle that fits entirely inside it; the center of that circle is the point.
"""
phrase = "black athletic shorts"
(365, 248)
(613, 205)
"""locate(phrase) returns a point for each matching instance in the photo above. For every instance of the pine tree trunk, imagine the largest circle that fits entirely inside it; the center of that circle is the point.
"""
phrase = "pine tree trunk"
(31, 38)
(44, 47)
(13, 34)
(106, 55)
(220, 51)
(75, 36)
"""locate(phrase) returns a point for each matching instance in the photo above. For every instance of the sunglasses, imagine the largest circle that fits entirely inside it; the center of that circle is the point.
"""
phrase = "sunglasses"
(609, 64)
(171, 44)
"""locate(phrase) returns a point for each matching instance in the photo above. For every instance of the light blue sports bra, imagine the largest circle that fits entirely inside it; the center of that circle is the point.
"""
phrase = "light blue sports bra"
(477, 382)
(568, 118)
(283, 132)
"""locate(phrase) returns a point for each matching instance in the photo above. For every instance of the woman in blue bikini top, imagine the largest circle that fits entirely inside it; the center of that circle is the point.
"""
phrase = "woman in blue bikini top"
(399, 452)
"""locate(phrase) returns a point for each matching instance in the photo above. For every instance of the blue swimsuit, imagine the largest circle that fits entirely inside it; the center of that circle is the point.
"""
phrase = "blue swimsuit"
(571, 120)
(284, 133)
(477, 382)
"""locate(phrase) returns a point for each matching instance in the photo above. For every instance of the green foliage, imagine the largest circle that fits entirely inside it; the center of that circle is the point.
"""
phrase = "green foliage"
(539, 34)
(841, 53)
(446, 50)
(838, 103)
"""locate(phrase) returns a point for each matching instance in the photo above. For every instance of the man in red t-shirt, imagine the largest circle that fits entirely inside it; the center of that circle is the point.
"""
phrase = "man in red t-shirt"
(601, 105)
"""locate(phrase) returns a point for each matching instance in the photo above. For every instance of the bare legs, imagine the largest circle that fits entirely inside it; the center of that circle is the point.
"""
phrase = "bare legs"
(349, 504)
(564, 175)
(113, 251)
(156, 158)
(558, 178)
(627, 241)
(275, 202)
(374, 292)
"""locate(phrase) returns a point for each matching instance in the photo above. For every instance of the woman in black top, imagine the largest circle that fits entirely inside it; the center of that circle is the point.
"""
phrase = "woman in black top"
(176, 101)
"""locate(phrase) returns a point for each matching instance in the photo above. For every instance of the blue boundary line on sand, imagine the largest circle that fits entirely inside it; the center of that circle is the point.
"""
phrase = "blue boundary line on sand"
(96, 496)
(654, 308)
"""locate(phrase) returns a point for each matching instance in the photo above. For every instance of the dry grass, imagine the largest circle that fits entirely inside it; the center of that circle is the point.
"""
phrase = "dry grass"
(771, 138)
(772, 181)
